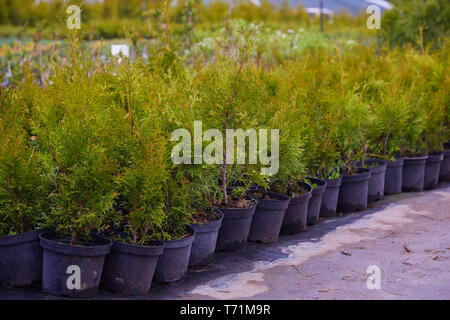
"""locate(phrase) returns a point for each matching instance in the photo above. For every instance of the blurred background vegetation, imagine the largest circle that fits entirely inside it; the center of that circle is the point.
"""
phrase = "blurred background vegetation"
(408, 22)
(36, 30)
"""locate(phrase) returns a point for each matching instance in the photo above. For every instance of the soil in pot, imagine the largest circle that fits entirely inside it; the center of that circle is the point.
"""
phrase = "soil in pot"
(393, 177)
(237, 220)
(173, 263)
(354, 190)
(268, 218)
(319, 187)
(20, 259)
(64, 263)
(206, 226)
(444, 172)
(413, 174)
(129, 269)
(296, 215)
(432, 169)
(377, 178)
(330, 198)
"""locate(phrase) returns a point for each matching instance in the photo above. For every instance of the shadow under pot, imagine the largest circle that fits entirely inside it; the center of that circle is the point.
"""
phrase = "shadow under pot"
(377, 179)
(173, 263)
(296, 214)
(268, 218)
(354, 191)
(413, 174)
(330, 198)
(432, 169)
(205, 241)
(319, 187)
(20, 259)
(73, 271)
(129, 269)
(444, 172)
(233, 233)
(393, 177)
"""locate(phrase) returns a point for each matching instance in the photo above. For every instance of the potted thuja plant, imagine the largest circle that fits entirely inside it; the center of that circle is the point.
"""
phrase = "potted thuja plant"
(284, 198)
(25, 183)
(131, 264)
(273, 204)
(434, 140)
(299, 192)
(83, 196)
(355, 180)
(444, 173)
(206, 220)
(230, 93)
(322, 157)
(413, 148)
(388, 121)
(178, 236)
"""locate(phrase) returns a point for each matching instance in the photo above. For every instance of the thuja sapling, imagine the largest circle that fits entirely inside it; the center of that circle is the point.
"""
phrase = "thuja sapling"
(25, 182)
(231, 97)
(85, 189)
(141, 188)
(71, 117)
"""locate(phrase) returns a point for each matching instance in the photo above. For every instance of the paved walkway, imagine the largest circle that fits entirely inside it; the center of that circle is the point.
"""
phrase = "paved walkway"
(407, 236)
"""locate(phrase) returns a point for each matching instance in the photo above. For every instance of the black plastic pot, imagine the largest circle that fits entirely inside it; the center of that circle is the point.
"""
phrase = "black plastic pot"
(316, 200)
(413, 174)
(59, 262)
(235, 228)
(173, 263)
(297, 212)
(205, 241)
(353, 192)
(20, 259)
(393, 177)
(268, 218)
(377, 179)
(330, 198)
(444, 173)
(432, 169)
(129, 269)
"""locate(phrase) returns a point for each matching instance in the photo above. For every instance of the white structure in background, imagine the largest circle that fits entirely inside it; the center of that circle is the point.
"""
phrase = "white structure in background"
(316, 12)
(382, 4)
(256, 2)
(117, 49)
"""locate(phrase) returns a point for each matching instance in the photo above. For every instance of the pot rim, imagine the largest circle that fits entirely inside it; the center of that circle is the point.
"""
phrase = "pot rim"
(303, 197)
(255, 203)
(209, 226)
(365, 175)
(84, 251)
(281, 196)
(415, 158)
(398, 162)
(181, 243)
(320, 188)
(435, 157)
(334, 183)
(21, 238)
(132, 249)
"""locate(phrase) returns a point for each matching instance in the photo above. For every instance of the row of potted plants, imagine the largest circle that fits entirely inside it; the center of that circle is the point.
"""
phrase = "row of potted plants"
(88, 157)
(129, 269)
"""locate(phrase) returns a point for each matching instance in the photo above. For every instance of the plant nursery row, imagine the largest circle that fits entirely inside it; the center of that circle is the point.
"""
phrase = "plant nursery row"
(90, 196)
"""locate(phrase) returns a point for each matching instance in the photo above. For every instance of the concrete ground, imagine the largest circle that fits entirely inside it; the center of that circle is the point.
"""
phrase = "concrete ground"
(407, 236)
